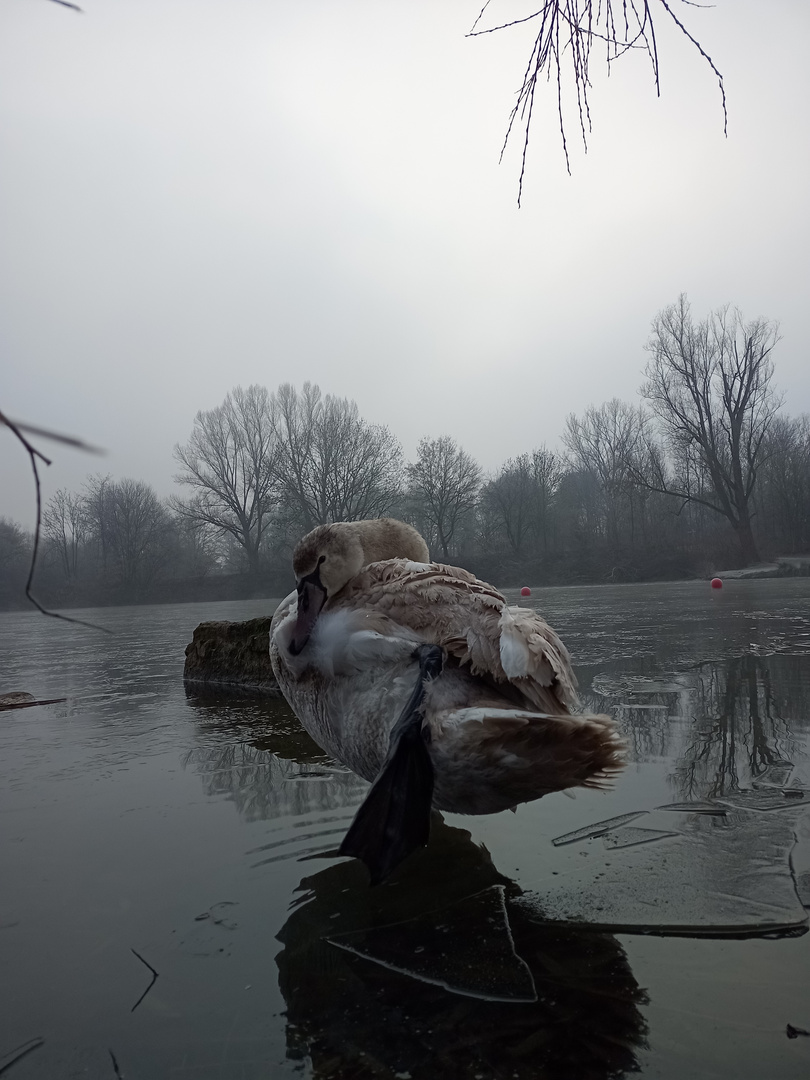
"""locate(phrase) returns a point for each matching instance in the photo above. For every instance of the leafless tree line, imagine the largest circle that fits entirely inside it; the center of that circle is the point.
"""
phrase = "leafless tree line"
(704, 472)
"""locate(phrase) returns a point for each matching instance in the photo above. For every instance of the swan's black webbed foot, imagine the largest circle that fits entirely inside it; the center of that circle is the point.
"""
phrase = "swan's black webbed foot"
(394, 819)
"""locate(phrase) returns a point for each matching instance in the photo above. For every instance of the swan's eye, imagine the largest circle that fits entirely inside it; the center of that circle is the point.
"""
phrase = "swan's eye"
(321, 560)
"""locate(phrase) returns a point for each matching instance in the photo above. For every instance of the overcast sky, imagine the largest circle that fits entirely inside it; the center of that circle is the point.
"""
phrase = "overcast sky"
(196, 194)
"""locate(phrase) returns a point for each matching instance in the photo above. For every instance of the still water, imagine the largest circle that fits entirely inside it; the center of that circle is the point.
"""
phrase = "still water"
(171, 904)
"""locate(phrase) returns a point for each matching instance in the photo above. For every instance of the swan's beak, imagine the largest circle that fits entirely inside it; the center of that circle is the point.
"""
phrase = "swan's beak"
(311, 598)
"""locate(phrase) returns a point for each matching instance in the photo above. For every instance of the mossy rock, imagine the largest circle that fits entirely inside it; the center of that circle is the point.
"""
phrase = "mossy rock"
(235, 654)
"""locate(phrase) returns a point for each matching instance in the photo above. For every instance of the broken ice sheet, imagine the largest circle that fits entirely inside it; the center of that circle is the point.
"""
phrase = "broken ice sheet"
(803, 887)
(696, 808)
(622, 838)
(466, 948)
(715, 876)
(774, 776)
(766, 800)
(597, 829)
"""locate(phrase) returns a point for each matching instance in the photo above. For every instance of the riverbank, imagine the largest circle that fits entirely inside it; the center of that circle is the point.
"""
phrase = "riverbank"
(782, 566)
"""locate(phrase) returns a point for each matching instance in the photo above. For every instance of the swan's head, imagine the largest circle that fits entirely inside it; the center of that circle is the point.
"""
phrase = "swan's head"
(323, 561)
(328, 558)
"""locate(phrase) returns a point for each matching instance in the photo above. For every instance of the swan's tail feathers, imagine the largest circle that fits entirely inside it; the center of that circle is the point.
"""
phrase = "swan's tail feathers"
(512, 756)
(553, 753)
(394, 819)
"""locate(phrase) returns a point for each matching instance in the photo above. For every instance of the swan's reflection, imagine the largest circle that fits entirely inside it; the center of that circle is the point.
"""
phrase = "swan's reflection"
(365, 974)
(267, 766)
(437, 972)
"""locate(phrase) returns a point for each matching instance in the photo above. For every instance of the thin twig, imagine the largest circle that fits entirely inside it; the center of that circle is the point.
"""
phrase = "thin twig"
(568, 29)
(68, 440)
(118, 1073)
(155, 973)
(27, 704)
(33, 454)
(19, 1052)
(151, 984)
(705, 56)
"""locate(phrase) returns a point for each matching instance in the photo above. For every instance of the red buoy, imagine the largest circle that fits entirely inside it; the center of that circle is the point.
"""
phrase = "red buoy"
(525, 591)
(717, 583)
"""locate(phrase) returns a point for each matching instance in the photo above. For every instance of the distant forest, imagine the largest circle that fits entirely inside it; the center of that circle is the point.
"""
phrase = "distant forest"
(705, 472)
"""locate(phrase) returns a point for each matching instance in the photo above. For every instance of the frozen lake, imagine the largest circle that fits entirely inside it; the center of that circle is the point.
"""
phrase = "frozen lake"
(660, 927)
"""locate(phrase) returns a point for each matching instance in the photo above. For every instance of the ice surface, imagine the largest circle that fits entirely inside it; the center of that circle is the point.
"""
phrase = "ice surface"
(698, 873)
(775, 776)
(726, 851)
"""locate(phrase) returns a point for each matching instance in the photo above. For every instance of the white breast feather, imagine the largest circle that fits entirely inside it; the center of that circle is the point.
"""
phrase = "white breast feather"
(514, 649)
(340, 644)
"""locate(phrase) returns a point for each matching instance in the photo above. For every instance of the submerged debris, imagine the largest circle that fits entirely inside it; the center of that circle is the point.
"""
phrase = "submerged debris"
(19, 1052)
(21, 700)
(151, 984)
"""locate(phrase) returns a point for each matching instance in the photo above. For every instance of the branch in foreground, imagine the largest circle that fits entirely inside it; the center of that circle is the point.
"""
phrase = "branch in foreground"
(568, 29)
(33, 454)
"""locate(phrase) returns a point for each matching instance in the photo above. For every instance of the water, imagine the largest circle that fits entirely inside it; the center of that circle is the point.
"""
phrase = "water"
(658, 928)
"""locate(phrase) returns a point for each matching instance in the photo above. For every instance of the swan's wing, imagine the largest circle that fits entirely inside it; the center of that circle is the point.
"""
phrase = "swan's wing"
(470, 619)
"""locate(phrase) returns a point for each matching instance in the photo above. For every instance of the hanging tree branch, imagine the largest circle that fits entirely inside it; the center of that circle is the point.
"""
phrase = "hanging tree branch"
(33, 454)
(568, 28)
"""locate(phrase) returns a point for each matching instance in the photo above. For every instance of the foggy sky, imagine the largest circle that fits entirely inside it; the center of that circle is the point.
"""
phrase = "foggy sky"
(197, 194)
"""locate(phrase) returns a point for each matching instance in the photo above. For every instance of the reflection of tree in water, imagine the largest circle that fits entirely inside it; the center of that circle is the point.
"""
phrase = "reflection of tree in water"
(268, 765)
(356, 1019)
(748, 711)
(645, 716)
(723, 722)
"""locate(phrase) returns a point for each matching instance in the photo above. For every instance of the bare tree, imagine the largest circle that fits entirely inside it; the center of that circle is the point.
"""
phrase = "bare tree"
(567, 29)
(709, 385)
(508, 497)
(15, 546)
(64, 522)
(95, 502)
(130, 528)
(783, 498)
(548, 471)
(332, 464)
(445, 481)
(197, 547)
(137, 527)
(519, 498)
(608, 442)
(15, 554)
(230, 462)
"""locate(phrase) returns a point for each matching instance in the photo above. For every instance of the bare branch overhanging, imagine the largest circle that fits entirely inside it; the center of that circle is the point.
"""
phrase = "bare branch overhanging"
(568, 29)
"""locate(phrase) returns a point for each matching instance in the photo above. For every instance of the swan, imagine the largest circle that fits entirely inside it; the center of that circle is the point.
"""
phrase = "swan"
(420, 678)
